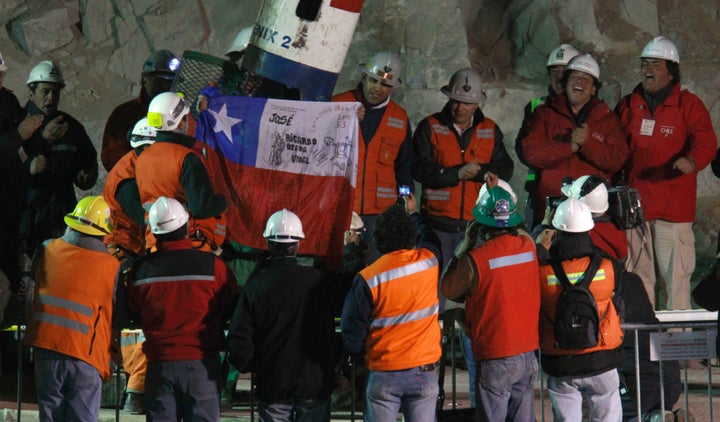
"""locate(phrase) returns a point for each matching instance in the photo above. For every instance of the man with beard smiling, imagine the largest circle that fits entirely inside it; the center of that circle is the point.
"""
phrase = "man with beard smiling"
(60, 155)
(574, 135)
(385, 153)
(671, 139)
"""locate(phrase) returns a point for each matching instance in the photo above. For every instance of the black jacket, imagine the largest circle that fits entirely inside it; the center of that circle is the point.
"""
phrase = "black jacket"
(283, 329)
(71, 161)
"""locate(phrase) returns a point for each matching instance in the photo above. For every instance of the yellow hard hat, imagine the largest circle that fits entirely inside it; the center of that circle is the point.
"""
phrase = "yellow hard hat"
(90, 216)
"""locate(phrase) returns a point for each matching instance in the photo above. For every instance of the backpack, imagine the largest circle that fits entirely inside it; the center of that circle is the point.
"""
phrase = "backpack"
(576, 316)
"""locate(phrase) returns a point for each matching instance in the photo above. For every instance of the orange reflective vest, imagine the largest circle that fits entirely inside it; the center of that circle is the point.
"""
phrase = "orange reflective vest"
(457, 201)
(126, 233)
(376, 183)
(404, 331)
(504, 309)
(602, 287)
(73, 304)
(158, 174)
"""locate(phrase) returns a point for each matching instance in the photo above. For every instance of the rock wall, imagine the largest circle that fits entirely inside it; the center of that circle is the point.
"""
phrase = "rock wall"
(101, 45)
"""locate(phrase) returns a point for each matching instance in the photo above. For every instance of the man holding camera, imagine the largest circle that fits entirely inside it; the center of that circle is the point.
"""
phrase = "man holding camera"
(454, 150)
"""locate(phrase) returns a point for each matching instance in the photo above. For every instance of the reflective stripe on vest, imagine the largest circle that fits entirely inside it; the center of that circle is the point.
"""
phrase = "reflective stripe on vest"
(385, 192)
(441, 129)
(61, 321)
(437, 195)
(404, 318)
(65, 304)
(506, 261)
(151, 280)
(552, 279)
(395, 122)
(485, 133)
(407, 270)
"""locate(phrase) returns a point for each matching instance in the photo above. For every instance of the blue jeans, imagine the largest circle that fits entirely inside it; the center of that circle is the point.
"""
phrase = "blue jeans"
(68, 389)
(412, 391)
(183, 389)
(304, 411)
(448, 242)
(471, 366)
(601, 391)
(505, 388)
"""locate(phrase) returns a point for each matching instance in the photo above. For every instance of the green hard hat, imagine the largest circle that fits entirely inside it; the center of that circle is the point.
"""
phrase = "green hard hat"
(496, 208)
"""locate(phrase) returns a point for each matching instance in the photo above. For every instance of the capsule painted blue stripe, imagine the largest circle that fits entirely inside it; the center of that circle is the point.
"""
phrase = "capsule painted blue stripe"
(315, 84)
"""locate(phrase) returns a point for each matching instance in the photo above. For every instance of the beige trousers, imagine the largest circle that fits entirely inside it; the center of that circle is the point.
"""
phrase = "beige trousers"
(662, 253)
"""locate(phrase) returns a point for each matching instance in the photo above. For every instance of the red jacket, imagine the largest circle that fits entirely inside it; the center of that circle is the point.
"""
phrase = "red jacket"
(547, 147)
(184, 297)
(606, 236)
(682, 128)
(504, 309)
(376, 182)
(115, 142)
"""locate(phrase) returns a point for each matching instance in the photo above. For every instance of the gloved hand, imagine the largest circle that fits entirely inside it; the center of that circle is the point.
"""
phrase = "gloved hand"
(471, 234)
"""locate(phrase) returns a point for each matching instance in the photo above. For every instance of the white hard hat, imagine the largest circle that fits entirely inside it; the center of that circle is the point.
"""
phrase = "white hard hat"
(356, 222)
(584, 63)
(284, 227)
(661, 48)
(167, 110)
(241, 41)
(167, 215)
(573, 216)
(590, 190)
(3, 66)
(465, 86)
(46, 71)
(142, 133)
(503, 184)
(562, 55)
(385, 66)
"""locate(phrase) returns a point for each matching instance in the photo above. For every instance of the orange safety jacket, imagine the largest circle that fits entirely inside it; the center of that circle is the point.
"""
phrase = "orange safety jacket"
(602, 287)
(376, 183)
(457, 201)
(503, 310)
(162, 178)
(73, 305)
(127, 233)
(404, 331)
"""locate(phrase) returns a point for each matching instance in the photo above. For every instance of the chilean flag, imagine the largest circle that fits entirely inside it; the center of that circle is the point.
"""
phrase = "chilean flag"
(265, 155)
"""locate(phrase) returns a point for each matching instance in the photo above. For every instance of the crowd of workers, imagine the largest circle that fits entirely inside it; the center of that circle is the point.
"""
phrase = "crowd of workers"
(146, 253)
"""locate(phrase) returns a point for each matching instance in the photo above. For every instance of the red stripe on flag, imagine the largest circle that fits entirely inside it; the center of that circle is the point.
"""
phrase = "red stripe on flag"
(353, 6)
(323, 203)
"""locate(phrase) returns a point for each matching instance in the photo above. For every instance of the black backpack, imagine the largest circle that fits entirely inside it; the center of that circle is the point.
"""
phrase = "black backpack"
(576, 316)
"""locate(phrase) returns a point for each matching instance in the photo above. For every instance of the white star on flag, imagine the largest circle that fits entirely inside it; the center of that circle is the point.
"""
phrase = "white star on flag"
(223, 122)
